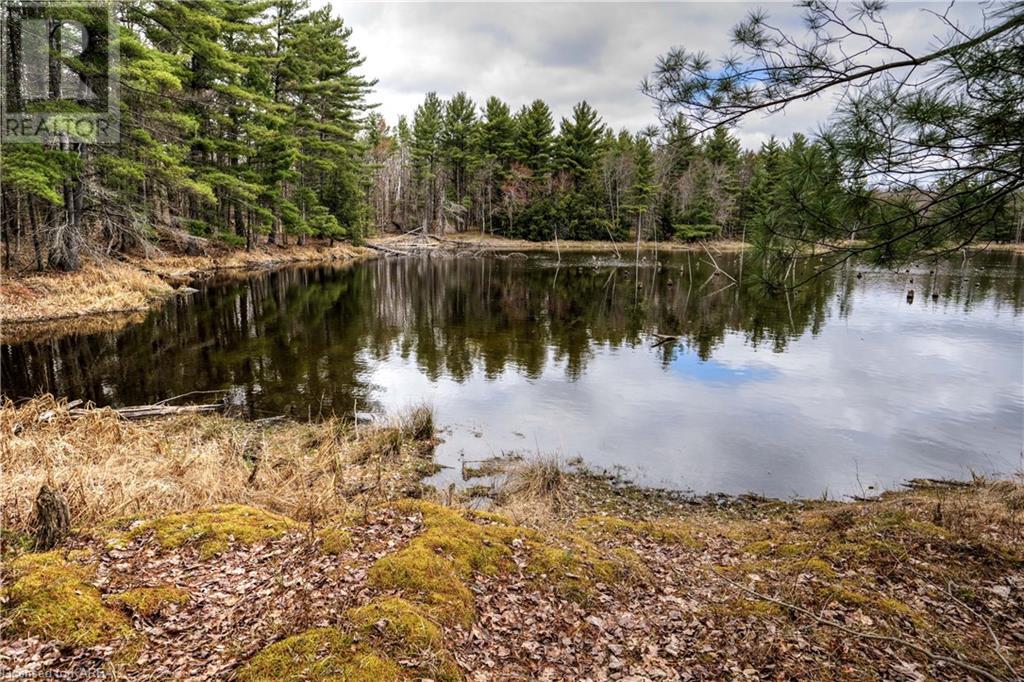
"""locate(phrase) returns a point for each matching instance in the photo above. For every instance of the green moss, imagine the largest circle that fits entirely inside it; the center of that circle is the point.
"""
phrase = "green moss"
(334, 540)
(51, 598)
(883, 605)
(759, 548)
(400, 628)
(399, 622)
(215, 529)
(489, 517)
(668, 532)
(815, 565)
(893, 606)
(846, 597)
(147, 601)
(575, 568)
(319, 655)
(903, 521)
(432, 567)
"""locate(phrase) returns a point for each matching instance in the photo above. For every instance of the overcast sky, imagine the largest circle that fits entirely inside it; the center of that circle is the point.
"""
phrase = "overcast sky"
(567, 52)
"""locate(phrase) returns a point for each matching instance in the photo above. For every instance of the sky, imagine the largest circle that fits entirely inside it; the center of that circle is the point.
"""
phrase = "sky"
(567, 52)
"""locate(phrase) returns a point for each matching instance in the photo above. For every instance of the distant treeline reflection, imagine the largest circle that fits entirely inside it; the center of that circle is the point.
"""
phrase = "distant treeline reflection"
(304, 341)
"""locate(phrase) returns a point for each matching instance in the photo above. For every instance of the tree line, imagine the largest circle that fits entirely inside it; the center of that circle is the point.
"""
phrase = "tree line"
(455, 165)
(249, 120)
(238, 118)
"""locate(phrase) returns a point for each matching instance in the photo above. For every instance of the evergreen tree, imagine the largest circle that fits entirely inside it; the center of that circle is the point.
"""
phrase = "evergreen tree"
(457, 142)
(238, 118)
(534, 144)
(579, 142)
(427, 128)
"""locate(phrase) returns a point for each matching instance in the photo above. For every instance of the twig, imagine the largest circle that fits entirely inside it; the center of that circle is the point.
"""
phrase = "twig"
(662, 339)
(988, 626)
(715, 263)
(856, 633)
(185, 395)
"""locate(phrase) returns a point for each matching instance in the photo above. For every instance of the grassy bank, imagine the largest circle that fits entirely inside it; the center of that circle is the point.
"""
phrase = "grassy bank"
(206, 547)
(117, 289)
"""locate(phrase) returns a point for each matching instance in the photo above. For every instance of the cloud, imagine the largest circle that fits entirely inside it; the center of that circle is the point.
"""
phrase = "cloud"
(567, 52)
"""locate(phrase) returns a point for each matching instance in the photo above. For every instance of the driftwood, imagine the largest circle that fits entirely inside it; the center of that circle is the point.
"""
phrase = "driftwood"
(663, 339)
(387, 250)
(147, 411)
(52, 518)
(192, 244)
(461, 243)
(933, 483)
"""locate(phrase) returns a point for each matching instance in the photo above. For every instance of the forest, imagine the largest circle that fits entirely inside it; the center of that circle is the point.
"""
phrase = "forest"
(253, 122)
(239, 121)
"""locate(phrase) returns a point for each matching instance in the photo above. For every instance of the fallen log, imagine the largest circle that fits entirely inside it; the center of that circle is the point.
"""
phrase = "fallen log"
(387, 250)
(148, 411)
(663, 339)
(933, 483)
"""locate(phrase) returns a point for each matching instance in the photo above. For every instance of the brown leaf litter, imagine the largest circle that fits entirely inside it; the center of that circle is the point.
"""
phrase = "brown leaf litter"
(922, 584)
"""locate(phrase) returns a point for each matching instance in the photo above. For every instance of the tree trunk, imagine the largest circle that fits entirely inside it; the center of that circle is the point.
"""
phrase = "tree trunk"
(34, 224)
(52, 518)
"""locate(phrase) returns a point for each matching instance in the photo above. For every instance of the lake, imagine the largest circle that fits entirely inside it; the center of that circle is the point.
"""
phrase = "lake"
(844, 387)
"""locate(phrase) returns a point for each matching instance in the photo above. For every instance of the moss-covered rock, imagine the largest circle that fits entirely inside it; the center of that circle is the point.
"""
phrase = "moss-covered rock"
(50, 597)
(147, 601)
(319, 655)
(214, 530)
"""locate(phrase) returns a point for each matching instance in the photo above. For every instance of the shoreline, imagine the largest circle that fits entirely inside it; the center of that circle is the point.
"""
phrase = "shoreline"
(567, 575)
(108, 295)
(473, 242)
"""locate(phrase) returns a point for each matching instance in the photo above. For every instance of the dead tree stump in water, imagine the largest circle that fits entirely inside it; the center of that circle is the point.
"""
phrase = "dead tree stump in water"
(53, 519)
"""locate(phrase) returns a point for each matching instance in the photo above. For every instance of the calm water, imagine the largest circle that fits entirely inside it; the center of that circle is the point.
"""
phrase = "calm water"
(842, 386)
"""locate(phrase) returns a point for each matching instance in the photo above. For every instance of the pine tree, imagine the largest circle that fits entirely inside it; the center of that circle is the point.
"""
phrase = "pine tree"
(457, 143)
(495, 144)
(427, 128)
(579, 142)
(534, 144)
(238, 117)
(643, 188)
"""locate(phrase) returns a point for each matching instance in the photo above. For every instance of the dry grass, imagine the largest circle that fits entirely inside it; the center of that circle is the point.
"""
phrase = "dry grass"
(95, 289)
(66, 326)
(992, 246)
(240, 259)
(533, 489)
(109, 468)
(104, 288)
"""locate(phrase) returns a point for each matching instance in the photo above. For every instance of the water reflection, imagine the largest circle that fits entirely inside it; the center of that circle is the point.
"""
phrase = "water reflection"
(839, 385)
